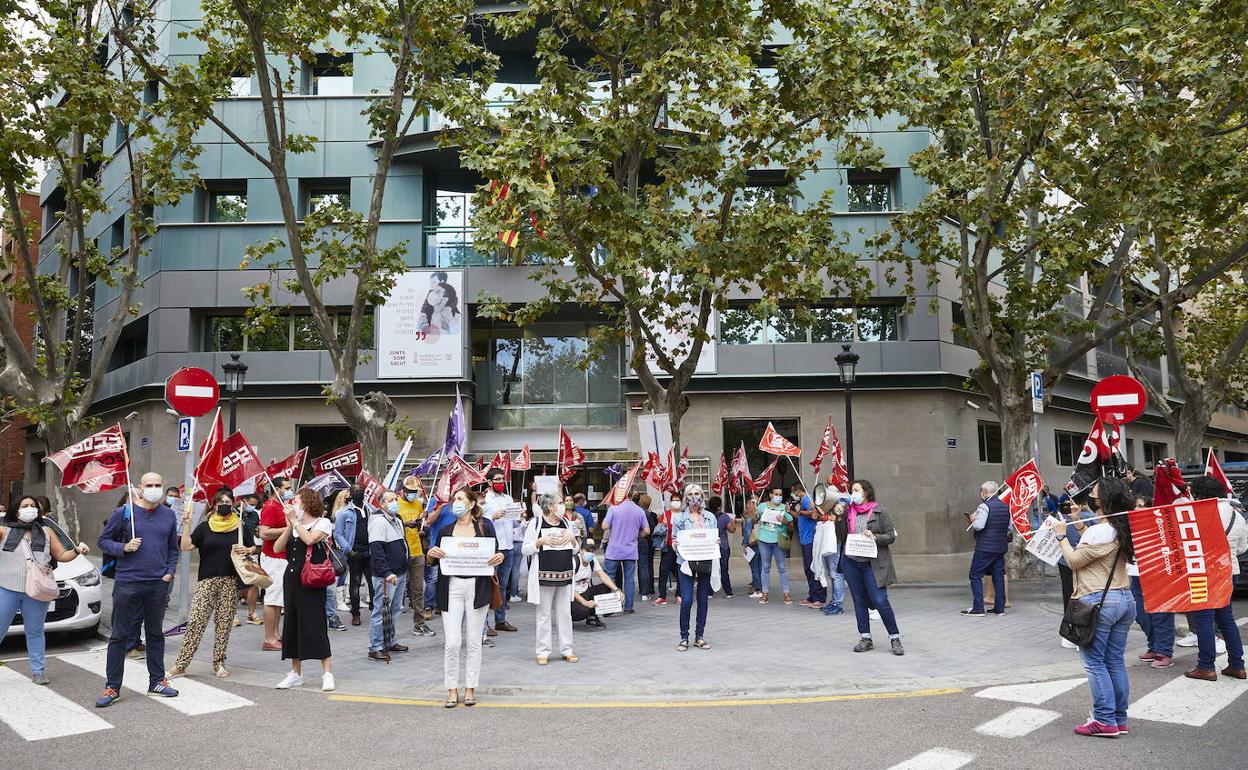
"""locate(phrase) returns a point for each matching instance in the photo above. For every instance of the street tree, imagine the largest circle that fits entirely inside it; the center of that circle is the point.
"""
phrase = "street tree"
(74, 104)
(663, 163)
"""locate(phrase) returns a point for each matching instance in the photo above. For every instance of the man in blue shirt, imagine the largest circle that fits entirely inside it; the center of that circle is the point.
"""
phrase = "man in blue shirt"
(816, 594)
(142, 537)
(579, 501)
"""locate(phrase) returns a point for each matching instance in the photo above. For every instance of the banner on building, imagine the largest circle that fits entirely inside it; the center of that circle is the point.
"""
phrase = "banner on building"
(98, 463)
(346, 460)
(1183, 556)
(421, 326)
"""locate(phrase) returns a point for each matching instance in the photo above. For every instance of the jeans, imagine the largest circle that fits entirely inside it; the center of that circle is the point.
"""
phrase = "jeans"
(331, 604)
(395, 594)
(431, 585)
(360, 572)
(501, 572)
(867, 593)
(769, 552)
(33, 613)
(1158, 627)
(756, 571)
(667, 568)
(461, 593)
(629, 566)
(987, 564)
(512, 588)
(687, 595)
(1203, 622)
(1103, 660)
(137, 604)
(725, 559)
(838, 580)
(815, 592)
(645, 566)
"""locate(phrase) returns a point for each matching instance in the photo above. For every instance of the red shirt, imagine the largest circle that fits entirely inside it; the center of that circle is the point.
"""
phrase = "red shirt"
(272, 514)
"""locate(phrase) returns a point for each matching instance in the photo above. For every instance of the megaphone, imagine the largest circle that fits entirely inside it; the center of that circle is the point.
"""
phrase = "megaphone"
(823, 498)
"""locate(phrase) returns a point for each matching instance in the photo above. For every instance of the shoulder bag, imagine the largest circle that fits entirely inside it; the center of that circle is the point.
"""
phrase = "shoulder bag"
(250, 573)
(317, 574)
(496, 593)
(40, 580)
(1080, 619)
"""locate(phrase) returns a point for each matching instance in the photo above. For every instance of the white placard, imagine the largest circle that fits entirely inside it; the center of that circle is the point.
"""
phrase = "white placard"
(420, 327)
(861, 546)
(466, 556)
(698, 544)
(550, 533)
(748, 554)
(546, 485)
(513, 512)
(1043, 543)
(608, 604)
(771, 516)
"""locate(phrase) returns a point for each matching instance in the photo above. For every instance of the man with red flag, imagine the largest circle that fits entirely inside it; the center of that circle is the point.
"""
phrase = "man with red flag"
(991, 523)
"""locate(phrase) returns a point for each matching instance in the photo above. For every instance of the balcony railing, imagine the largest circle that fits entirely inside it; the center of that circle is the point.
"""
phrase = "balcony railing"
(454, 247)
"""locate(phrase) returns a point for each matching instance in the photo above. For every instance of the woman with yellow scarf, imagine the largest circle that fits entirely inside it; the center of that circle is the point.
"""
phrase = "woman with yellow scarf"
(216, 593)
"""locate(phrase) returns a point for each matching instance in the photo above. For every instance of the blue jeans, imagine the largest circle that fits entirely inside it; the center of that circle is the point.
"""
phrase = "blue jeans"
(1103, 660)
(395, 593)
(1158, 627)
(864, 589)
(512, 586)
(768, 552)
(756, 571)
(1203, 622)
(725, 559)
(630, 570)
(687, 583)
(33, 613)
(987, 564)
(431, 585)
(815, 592)
(838, 580)
(502, 571)
(136, 605)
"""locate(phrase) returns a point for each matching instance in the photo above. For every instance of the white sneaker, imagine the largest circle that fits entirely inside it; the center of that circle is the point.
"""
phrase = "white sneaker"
(756, 594)
(1220, 647)
(645, 598)
(327, 682)
(874, 614)
(344, 605)
(516, 598)
(292, 680)
(1069, 644)
(1188, 641)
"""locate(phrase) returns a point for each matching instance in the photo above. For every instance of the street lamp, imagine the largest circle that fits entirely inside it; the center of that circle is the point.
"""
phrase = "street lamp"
(847, 361)
(235, 375)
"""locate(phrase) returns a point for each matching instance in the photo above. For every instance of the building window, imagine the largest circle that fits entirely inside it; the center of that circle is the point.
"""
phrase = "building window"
(1154, 452)
(989, 442)
(867, 323)
(1069, 447)
(234, 333)
(131, 344)
(330, 76)
(1234, 457)
(151, 92)
(117, 234)
(960, 336)
(870, 191)
(737, 431)
(320, 193)
(227, 206)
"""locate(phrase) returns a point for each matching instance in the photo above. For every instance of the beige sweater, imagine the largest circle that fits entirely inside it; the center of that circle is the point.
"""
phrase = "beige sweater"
(1091, 564)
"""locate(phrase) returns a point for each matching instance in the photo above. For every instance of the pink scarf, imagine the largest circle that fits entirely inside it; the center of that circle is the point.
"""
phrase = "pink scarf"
(855, 510)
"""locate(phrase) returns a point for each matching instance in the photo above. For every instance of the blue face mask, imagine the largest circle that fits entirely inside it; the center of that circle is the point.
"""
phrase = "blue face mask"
(459, 509)
(170, 500)
(777, 499)
(392, 507)
(856, 498)
(288, 495)
(249, 508)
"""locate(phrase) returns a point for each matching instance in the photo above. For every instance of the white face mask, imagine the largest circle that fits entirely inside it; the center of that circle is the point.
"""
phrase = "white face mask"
(27, 514)
(153, 494)
(674, 505)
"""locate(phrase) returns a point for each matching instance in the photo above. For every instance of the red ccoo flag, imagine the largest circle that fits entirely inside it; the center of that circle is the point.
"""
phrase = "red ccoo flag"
(346, 460)
(763, 482)
(570, 456)
(239, 462)
(372, 488)
(721, 477)
(522, 461)
(1021, 490)
(98, 463)
(501, 461)
(208, 470)
(290, 468)
(740, 479)
(774, 444)
(825, 444)
(681, 471)
(1214, 468)
(457, 475)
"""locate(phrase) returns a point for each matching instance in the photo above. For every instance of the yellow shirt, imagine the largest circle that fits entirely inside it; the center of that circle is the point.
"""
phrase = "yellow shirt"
(412, 512)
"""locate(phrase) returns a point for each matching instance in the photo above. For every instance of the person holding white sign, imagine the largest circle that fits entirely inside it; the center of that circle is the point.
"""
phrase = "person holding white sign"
(868, 577)
(552, 541)
(772, 538)
(464, 599)
(699, 573)
(585, 595)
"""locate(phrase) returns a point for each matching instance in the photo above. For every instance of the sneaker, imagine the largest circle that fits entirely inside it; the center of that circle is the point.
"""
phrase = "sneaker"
(109, 697)
(1188, 641)
(336, 625)
(971, 612)
(1069, 644)
(1148, 655)
(138, 653)
(424, 630)
(1096, 729)
(645, 598)
(237, 622)
(595, 621)
(327, 682)
(755, 594)
(660, 600)
(1122, 729)
(897, 648)
(399, 648)
(292, 680)
(874, 614)
(487, 641)
(39, 677)
(807, 603)
(162, 689)
(834, 609)
(515, 598)
(863, 645)
(1162, 661)
(996, 612)
(489, 631)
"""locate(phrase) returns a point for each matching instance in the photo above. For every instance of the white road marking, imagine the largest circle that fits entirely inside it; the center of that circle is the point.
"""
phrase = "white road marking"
(192, 391)
(37, 713)
(1017, 722)
(1186, 701)
(935, 759)
(193, 698)
(1034, 693)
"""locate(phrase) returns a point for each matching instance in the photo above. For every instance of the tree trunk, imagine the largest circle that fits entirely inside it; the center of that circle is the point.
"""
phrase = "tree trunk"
(1016, 418)
(1190, 423)
(56, 435)
(677, 404)
(370, 419)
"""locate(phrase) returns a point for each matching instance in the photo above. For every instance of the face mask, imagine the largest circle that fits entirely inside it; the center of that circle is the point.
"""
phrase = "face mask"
(392, 507)
(589, 557)
(411, 496)
(169, 500)
(357, 498)
(224, 509)
(499, 487)
(153, 494)
(459, 509)
(250, 508)
(674, 505)
(857, 498)
(288, 495)
(695, 502)
(27, 514)
(776, 499)
(298, 510)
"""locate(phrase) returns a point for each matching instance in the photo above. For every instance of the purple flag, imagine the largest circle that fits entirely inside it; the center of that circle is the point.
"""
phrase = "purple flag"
(429, 465)
(614, 471)
(456, 434)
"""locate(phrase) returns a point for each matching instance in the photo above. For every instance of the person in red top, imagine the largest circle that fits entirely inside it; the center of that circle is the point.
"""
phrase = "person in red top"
(667, 562)
(272, 526)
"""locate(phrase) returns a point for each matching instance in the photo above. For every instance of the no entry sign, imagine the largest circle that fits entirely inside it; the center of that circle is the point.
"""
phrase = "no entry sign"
(191, 391)
(1118, 399)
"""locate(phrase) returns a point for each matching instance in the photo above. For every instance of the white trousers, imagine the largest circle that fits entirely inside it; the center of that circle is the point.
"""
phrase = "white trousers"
(462, 593)
(556, 600)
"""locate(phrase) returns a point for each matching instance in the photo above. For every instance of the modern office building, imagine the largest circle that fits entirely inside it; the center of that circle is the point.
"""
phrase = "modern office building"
(923, 439)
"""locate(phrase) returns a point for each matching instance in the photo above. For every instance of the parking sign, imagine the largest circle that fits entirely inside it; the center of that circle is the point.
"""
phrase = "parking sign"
(186, 428)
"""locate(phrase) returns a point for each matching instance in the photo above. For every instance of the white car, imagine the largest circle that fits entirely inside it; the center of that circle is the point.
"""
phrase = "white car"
(77, 608)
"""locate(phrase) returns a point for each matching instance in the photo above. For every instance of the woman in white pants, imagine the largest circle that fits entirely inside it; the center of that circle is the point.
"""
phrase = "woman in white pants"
(464, 599)
(553, 544)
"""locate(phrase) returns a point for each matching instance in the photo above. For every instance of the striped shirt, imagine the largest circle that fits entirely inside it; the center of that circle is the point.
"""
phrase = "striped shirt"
(13, 564)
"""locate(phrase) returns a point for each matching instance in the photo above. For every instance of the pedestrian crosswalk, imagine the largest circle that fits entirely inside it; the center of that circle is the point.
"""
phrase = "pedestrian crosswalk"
(1186, 701)
(36, 712)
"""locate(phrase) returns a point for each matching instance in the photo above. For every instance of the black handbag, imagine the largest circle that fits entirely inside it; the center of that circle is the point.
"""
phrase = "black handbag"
(336, 556)
(1080, 619)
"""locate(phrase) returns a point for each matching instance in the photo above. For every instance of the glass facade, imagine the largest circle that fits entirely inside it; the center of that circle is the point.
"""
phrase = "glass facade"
(867, 323)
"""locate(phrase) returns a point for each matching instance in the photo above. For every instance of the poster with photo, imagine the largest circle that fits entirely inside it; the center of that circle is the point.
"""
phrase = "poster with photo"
(421, 326)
